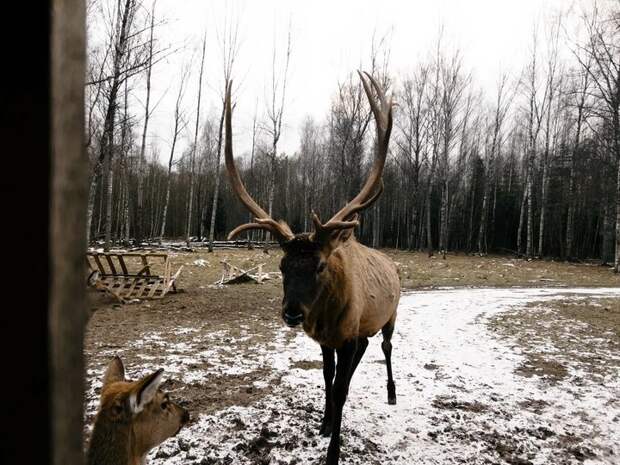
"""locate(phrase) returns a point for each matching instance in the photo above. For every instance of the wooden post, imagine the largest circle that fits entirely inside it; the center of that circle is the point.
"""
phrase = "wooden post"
(67, 234)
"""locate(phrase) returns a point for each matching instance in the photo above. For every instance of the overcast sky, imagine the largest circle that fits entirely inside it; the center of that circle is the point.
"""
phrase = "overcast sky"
(329, 39)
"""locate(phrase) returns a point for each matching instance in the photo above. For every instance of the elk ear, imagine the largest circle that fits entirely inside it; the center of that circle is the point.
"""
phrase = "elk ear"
(145, 390)
(115, 372)
(345, 234)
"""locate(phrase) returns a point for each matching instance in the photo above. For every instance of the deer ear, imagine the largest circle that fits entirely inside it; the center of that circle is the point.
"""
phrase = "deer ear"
(145, 391)
(115, 372)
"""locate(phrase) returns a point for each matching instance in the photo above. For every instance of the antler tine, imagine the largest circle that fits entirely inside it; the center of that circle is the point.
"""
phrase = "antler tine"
(369, 202)
(378, 90)
(235, 179)
(263, 220)
(383, 118)
(244, 227)
(321, 228)
(381, 114)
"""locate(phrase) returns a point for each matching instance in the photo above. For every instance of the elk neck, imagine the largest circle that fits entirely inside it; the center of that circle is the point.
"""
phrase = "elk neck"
(323, 322)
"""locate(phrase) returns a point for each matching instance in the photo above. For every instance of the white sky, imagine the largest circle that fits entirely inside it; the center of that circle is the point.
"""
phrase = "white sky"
(329, 40)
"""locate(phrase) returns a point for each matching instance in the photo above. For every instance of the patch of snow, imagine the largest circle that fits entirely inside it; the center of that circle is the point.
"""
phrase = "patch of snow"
(459, 398)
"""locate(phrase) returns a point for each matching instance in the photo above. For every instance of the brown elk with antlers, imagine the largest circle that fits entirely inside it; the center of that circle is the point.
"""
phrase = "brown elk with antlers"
(341, 291)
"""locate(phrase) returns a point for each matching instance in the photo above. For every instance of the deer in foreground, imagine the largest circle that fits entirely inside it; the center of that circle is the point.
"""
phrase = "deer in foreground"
(133, 418)
(339, 290)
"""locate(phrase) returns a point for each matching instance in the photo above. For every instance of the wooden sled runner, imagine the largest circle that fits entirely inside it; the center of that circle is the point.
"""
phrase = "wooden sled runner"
(128, 275)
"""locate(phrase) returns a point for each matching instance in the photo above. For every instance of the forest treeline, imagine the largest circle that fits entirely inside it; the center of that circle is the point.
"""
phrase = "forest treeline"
(529, 168)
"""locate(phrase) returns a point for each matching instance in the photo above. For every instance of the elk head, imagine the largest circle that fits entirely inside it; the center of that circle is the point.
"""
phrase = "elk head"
(306, 267)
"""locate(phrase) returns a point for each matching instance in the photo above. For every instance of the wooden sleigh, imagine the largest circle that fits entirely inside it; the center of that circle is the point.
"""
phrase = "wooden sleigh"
(129, 275)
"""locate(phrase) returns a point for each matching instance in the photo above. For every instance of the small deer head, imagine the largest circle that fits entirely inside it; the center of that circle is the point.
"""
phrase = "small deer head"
(306, 266)
(138, 414)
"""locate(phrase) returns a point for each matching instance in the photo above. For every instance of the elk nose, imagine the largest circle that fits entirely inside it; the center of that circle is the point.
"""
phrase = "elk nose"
(292, 314)
(185, 417)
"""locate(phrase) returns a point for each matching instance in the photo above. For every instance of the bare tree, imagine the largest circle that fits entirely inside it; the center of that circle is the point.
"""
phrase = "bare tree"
(453, 85)
(179, 125)
(229, 49)
(503, 100)
(195, 145)
(413, 126)
(600, 59)
(535, 111)
(139, 226)
(275, 115)
(580, 95)
(553, 83)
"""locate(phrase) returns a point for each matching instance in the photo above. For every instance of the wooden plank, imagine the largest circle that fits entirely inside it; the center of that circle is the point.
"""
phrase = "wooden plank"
(143, 270)
(89, 264)
(166, 270)
(145, 262)
(171, 284)
(121, 262)
(132, 288)
(154, 288)
(111, 264)
(102, 270)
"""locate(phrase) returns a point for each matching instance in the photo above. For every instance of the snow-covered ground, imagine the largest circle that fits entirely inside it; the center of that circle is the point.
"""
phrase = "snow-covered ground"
(459, 399)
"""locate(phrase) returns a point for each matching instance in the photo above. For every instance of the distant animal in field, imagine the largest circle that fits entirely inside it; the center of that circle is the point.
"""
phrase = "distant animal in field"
(133, 418)
(341, 291)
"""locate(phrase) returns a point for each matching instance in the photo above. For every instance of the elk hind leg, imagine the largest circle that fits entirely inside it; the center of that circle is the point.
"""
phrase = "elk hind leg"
(386, 346)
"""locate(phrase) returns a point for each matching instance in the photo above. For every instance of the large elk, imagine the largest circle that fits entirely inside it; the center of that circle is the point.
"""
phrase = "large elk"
(340, 290)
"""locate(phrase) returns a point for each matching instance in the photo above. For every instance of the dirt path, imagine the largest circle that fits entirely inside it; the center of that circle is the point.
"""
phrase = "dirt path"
(256, 392)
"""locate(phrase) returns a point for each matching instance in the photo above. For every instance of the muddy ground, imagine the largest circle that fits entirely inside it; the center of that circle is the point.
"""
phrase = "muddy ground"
(254, 387)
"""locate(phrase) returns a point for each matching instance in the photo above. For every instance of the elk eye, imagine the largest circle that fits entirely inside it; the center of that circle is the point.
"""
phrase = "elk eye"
(164, 405)
(321, 267)
(117, 409)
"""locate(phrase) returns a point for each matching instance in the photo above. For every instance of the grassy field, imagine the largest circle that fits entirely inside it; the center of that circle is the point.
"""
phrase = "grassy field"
(417, 269)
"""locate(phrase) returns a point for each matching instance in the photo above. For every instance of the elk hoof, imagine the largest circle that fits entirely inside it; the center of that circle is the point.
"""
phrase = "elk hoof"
(391, 393)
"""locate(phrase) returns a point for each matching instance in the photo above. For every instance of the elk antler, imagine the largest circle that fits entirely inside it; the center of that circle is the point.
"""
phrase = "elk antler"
(263, 220)
(382, 111)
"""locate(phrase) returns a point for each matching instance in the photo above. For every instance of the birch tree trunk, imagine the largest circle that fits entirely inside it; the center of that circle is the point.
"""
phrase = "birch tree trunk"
(529, 248)
(178, 127)
(216, 190)
(140, 223)
(543, 205)
(522, 220)
(108, 135)
(168, 179)
(616, 120)
(193, 156)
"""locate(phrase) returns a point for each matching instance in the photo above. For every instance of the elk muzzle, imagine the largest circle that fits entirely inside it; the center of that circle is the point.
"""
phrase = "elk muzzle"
(292, 314)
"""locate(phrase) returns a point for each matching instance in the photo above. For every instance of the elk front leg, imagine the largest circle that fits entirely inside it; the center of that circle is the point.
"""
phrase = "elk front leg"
(349, 356)
(329, 368)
